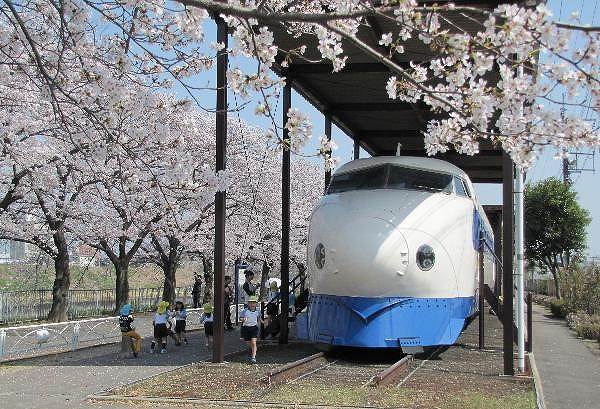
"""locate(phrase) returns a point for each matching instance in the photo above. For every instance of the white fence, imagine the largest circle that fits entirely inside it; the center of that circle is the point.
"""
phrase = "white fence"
(34, 305)
(42, 339)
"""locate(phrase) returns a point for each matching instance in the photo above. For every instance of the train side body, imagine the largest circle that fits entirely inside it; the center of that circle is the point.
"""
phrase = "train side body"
(367, 289)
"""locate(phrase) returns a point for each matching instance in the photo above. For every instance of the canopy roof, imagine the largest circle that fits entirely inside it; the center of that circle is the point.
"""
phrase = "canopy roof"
(357, 101)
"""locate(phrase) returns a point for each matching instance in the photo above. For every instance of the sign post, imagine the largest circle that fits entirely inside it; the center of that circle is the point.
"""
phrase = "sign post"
(240, 267)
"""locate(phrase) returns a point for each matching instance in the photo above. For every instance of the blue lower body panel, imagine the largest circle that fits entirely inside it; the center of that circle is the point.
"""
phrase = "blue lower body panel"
(387, 322)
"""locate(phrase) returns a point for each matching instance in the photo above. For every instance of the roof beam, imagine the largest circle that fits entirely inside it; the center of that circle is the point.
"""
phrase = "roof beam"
(446, 155)
(351, 68)
(371, 107)
(391, 133)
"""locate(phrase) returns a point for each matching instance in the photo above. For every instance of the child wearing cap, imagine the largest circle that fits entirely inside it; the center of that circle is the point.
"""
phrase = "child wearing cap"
(160, 327)
(125, 320)
(250, 320)
(207, 319)
(180, 315)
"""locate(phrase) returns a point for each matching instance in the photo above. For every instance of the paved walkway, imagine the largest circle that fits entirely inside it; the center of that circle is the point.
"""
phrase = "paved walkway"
(570, 372)
(63, 381)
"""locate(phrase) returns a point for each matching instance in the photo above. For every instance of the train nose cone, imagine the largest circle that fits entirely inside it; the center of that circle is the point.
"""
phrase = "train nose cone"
(346, 247)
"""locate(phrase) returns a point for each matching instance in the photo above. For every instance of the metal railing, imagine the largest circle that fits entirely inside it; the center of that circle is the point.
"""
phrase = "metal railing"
(34, 305)
(295, 283)
(33, 340)
(28, 341)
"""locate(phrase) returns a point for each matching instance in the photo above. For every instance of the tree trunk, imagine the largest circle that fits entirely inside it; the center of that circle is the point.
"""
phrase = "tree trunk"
(208, 280)
(121, 283)
(62, 279)
(554, 272)
(169, 283)
(266, 269)
(169, 265)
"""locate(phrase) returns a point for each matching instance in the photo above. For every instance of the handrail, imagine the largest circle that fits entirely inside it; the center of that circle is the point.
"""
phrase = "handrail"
(57, 324)
(493, 253)
(277, 299)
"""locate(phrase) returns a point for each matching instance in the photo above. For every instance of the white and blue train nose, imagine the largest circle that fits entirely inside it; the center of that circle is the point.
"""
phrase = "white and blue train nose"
(382, 277)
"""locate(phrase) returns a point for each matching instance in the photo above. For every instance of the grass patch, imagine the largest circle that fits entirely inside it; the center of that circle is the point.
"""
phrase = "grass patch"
(313, 393)
(476, 400)
(393, 397)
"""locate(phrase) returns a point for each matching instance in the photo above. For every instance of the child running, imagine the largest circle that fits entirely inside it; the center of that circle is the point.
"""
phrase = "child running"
(207, 319)
(125, 320)
(160, 327)
(250, 320)
(180, 317)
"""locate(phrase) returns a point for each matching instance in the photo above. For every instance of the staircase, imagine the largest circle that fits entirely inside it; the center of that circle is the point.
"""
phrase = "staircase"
(299, 303)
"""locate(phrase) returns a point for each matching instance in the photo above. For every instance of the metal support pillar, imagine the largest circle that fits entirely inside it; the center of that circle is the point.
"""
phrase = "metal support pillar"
(481, 293)
(328, 135)
(529, 324)
(356, 148)
(497, 229)
(221, 139)
(507, 261)
(519, 250)
(285, 220)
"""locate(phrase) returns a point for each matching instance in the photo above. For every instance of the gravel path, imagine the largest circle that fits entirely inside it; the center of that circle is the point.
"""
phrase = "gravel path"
(63, 381)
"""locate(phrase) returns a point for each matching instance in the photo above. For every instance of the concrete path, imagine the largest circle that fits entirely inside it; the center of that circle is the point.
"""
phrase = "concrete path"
(570, 372)
(63, 381)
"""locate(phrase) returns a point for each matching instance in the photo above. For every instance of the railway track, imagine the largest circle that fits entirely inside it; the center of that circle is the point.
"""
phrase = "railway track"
(325, 369)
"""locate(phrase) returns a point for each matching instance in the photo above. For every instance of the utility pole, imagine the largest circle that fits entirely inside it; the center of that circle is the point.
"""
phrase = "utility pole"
(580, 160)
(565, 170)
(565, 161)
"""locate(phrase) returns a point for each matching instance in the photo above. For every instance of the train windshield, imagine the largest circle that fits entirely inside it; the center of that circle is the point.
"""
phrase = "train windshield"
(416, 179)
(391, 177)
(362, 179)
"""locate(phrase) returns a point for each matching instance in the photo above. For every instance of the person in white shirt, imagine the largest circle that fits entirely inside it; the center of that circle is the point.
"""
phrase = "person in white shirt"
(160, 327)
(208, 319)
(250, 320)
(180, 315)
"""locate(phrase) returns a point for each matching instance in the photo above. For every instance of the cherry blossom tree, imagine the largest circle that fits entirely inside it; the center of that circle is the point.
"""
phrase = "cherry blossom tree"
(161, 43)
(188, 231)
(156, 168)
(84, 83)
(260, 228)
(41, 214)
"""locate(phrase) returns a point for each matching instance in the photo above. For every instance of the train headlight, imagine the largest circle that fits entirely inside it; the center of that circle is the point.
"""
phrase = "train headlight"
(425, 257)
(320, 256)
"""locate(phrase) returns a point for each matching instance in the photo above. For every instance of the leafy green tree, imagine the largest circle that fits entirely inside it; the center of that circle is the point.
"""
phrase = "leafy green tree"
(555, 225)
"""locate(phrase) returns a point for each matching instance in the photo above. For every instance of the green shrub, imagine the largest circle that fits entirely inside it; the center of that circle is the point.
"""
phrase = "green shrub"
(558, 308)
(585, 325)
(581, 288)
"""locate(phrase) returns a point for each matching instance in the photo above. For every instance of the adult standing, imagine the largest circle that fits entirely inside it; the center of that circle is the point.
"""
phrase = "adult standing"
(196, 290)
(249, 287)
(228, 300)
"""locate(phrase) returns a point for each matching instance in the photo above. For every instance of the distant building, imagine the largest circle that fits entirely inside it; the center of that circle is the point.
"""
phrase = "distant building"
(85, 255)
(12, 251)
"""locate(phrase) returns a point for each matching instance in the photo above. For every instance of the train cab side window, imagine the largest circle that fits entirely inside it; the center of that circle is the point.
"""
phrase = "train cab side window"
(466, 188)
(460, 188)
(362, 179)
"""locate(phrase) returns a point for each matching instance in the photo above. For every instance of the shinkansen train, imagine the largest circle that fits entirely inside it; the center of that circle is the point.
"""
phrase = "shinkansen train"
(393, 256)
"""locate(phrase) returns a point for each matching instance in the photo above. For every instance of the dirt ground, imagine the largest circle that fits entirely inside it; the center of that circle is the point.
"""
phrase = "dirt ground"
(461, 376)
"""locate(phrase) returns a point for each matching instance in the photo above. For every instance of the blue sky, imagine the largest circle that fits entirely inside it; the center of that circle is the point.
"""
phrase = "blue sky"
(586, 183)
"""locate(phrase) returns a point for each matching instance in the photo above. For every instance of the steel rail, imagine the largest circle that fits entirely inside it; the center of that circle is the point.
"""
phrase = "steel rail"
(392, 372)
(292, 369)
